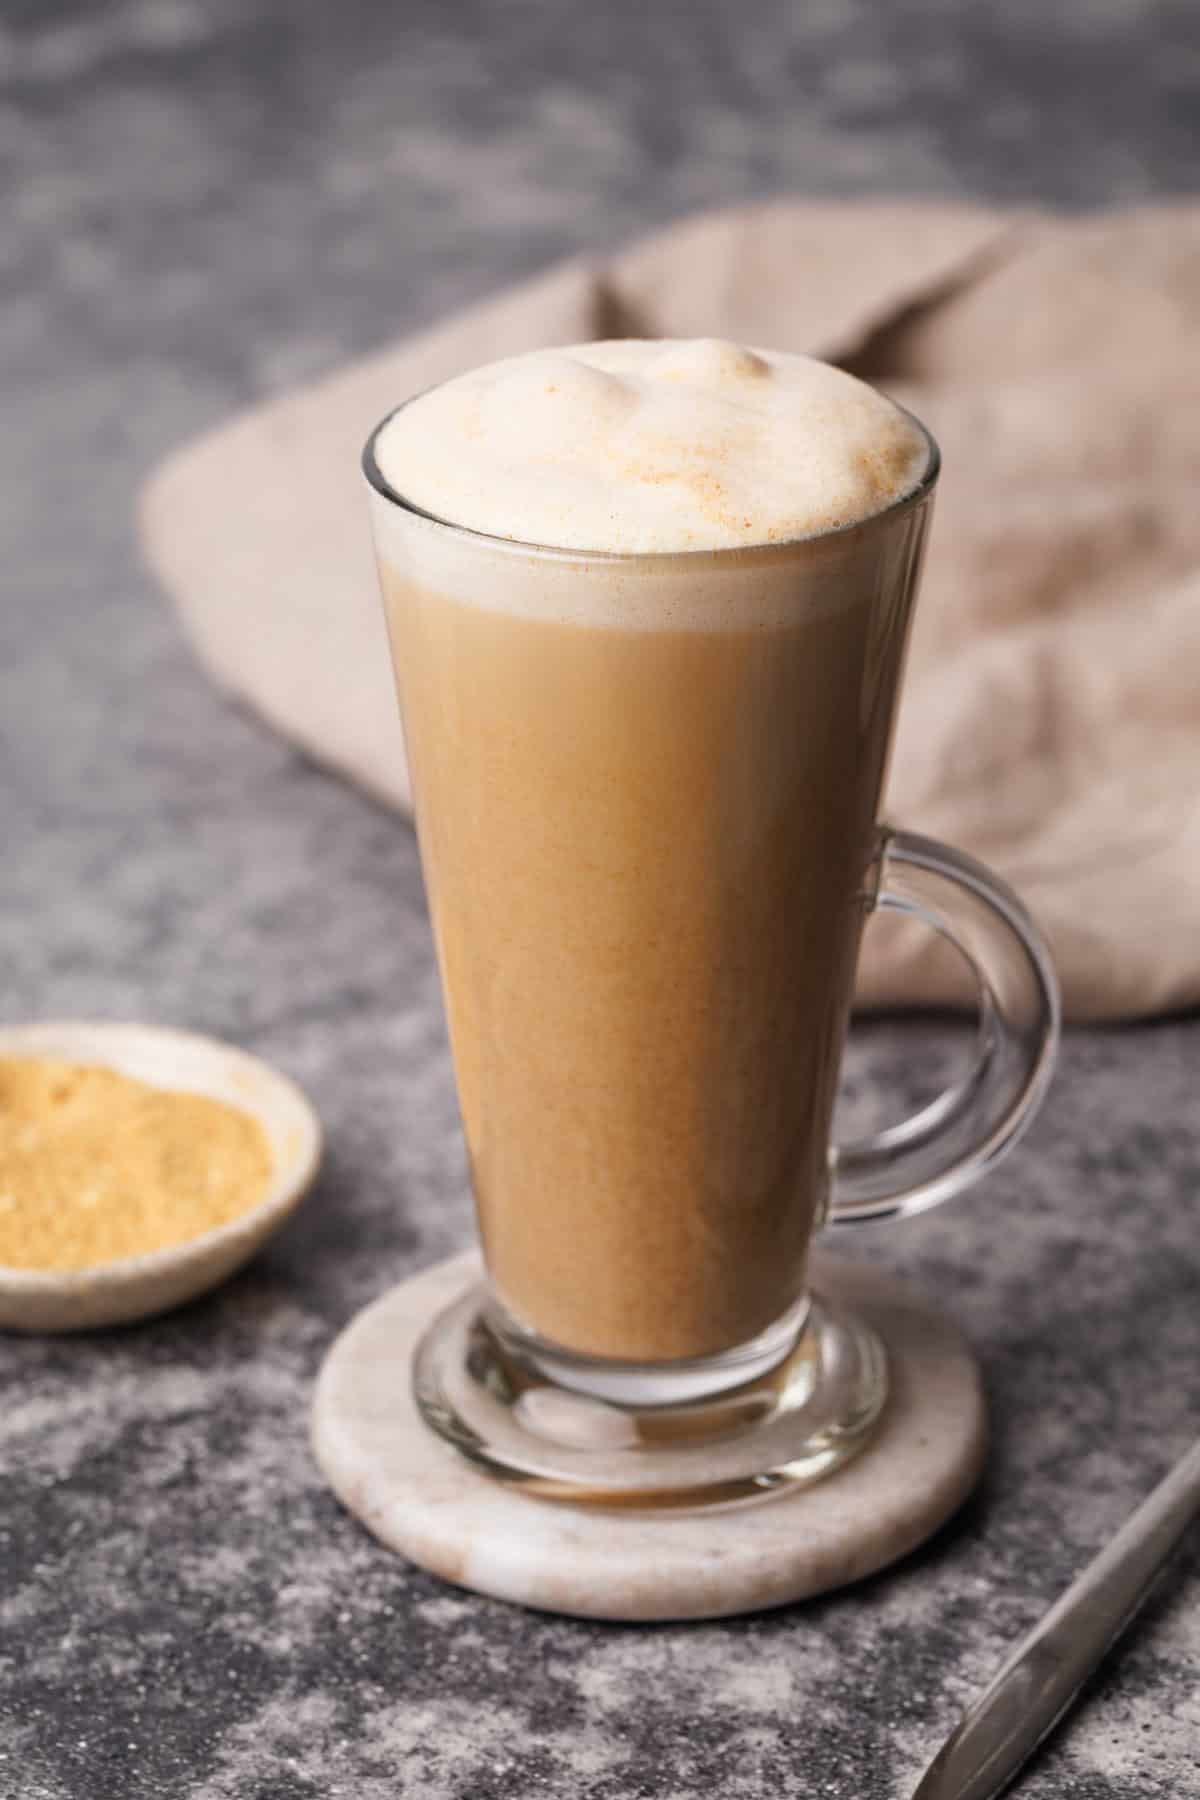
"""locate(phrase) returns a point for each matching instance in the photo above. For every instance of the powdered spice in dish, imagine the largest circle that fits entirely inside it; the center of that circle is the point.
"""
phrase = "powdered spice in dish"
(96, 1166)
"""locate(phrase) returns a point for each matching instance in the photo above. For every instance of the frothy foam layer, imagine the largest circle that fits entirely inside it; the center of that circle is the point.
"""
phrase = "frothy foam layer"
(652, 446)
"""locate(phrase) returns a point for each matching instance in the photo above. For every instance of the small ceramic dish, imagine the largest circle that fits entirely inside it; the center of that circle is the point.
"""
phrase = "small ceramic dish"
(136, 1286)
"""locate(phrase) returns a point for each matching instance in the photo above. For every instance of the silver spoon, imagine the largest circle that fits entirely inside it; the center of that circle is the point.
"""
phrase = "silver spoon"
(1033, 1689)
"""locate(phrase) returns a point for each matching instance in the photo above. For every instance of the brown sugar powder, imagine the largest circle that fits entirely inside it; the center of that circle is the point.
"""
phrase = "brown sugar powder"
(96, 1166)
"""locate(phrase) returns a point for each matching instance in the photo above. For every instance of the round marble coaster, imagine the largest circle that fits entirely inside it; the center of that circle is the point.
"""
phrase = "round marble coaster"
(419, 1496)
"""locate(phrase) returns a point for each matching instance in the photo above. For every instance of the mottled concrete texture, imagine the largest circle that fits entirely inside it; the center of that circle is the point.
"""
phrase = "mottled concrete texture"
(206, 199)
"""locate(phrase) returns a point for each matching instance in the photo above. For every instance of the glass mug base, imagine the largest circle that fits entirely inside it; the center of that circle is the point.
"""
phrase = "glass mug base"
(780, 1412)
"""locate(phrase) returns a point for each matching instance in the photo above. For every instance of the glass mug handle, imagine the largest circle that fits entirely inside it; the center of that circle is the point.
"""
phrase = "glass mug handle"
(950, 1143)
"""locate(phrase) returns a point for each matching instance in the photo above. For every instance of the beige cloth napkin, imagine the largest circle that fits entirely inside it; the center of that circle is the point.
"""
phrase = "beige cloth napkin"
(1051, 718)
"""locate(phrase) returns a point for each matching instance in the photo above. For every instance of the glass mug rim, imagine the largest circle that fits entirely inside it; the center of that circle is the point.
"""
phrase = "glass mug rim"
(732, 555)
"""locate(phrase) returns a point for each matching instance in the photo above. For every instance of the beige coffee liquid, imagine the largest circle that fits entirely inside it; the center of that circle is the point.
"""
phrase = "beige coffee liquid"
(646, 792)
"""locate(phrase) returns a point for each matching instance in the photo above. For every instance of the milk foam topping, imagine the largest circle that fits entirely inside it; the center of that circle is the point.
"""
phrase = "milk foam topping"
(638, 446)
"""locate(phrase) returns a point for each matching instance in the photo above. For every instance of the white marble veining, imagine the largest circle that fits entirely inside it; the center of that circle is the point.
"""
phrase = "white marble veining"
(420, 1497)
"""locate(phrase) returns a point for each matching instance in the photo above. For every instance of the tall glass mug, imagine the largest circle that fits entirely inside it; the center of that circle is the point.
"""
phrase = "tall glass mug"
(646, 791)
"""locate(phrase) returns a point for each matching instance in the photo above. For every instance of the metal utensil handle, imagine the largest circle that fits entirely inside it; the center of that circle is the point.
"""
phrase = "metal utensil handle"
(1036, 1685)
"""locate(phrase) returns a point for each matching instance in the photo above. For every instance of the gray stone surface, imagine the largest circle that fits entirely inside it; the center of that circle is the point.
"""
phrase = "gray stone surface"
(204, 200)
